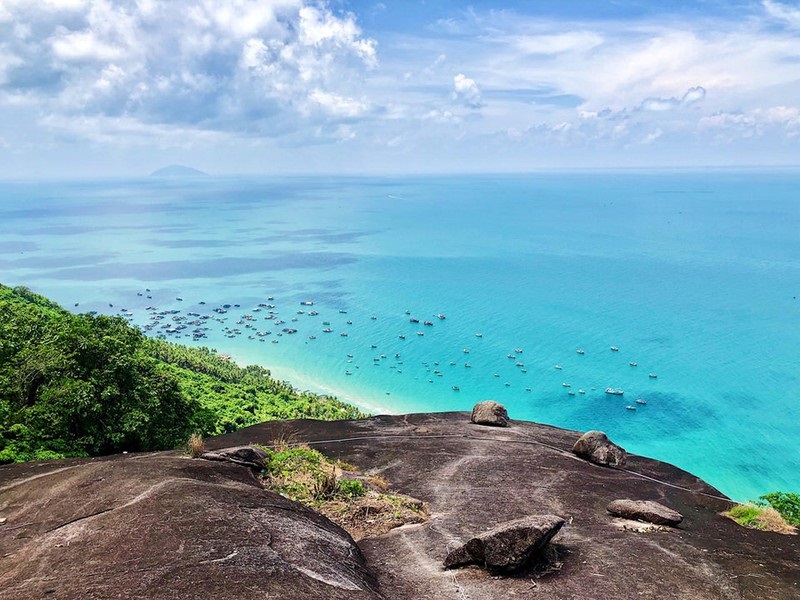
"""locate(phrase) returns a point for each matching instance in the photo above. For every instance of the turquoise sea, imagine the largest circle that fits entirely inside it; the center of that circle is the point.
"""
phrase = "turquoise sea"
(693, 276)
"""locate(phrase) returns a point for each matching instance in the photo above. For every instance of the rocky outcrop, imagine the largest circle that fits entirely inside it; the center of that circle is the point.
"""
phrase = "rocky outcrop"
(165, 527)
(645, 510)
(490, 412)
(247, 456)
(595, 447)
(159, 526)
(507, 547)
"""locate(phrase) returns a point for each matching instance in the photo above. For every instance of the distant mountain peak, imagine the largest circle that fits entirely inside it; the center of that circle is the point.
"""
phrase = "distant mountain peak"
(178, 171)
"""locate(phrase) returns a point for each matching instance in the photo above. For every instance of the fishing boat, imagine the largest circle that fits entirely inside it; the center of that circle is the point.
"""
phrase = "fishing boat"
(652, 375)
(614, 392)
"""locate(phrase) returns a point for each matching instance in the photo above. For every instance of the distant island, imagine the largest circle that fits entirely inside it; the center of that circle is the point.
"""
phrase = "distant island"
(178, 171)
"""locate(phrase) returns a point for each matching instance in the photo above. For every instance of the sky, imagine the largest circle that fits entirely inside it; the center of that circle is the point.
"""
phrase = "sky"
(123, 87)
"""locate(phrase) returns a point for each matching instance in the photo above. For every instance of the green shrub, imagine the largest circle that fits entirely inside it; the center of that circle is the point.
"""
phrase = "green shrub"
(351, 488)
(786, 503)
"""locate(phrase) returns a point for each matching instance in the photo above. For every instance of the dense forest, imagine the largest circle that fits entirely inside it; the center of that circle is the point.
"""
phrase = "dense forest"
(83, 385)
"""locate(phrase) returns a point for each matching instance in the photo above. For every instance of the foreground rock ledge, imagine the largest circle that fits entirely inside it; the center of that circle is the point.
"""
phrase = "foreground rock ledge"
(509, 546)
(161, 527)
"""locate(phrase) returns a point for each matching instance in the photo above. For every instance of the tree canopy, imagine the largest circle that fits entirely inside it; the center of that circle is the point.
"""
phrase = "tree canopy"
(78, 385)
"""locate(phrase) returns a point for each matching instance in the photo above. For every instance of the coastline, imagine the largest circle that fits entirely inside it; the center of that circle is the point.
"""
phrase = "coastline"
(303, 382)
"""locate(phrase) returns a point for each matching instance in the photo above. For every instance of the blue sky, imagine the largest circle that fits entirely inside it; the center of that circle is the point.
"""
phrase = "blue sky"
(123, 87)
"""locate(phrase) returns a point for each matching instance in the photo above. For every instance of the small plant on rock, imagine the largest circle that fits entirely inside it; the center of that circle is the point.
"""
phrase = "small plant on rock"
(195, 445)
(759, 517)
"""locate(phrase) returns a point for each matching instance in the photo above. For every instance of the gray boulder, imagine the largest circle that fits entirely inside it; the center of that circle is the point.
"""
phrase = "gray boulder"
(645, 510)
(490, 412)
(507, 547)
(595, 447)
(248, 456)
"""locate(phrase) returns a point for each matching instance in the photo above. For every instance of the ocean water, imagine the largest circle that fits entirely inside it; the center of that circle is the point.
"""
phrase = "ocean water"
(694, 277)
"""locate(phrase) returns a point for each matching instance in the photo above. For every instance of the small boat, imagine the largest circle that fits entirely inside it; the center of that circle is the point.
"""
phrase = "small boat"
(629, 407)
(452, 363)
(441, 316)
(527, 389)
(519, 364)
(348, 372)
(580, 352)
(512, 356)
(640, 401)
(571, 393)
(633, 364)
(467, 365)
(413, 320)
(373, 317)
(497, 374)
(428, 323)
(456, 388)
(420, 333)
(581, 392)
(652, 375)
(614, 349)
(518, 350)
(351, 356)
(307, 303)
(401, 336)
(565, 384)
(557, 367)
(614, 392)
(478, 335)
(466, 351)
(342, 312)
(327, 330)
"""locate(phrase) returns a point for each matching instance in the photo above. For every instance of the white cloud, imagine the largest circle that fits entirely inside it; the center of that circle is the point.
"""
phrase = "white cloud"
(339, 106)
(242, 66)
(557, 43)
(788, 14)
(466, 92)
(691, 96)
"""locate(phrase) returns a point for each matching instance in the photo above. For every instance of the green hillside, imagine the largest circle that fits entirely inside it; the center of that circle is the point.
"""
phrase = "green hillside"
(83, 385)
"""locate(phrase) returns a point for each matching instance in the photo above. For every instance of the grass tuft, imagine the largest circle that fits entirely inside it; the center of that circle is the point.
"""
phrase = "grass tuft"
(760, 517)
(195, 446)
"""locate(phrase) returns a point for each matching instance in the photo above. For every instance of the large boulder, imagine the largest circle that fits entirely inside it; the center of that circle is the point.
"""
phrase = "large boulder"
(645, 510)
(161, 527)
(490, 412)
(595, 447)
(507, 547)
(247, 456)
